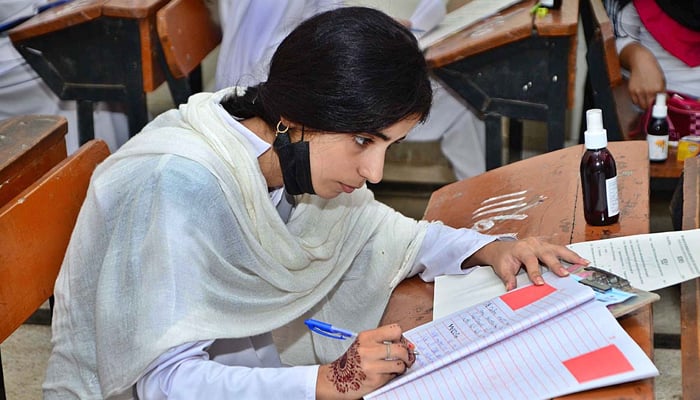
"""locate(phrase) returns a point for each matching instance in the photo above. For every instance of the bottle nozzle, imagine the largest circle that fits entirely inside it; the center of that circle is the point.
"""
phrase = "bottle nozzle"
(660, 99)
(595, 137)
(594, 120)
(659, 110)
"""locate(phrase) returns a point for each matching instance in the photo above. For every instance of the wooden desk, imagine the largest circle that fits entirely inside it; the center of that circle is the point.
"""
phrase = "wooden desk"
(30, 145)
(515, 65)
(96, 50)
(551, 182)
(690, 290)
(671, 168)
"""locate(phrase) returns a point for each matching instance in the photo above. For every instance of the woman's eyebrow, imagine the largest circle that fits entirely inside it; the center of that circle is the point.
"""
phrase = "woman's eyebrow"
(380, 135)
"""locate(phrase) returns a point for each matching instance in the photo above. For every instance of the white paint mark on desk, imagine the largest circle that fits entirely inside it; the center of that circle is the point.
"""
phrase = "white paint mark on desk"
(507, 202)
(503, 196)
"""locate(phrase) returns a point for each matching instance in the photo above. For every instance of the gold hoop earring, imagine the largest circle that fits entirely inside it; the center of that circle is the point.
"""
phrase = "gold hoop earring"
(279, 131)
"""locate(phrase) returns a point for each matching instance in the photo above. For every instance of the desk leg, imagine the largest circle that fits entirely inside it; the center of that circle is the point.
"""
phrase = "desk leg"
(515, 140)
(558, 90)
(494, 141)
(137, 111)
(556, 130)
(86, 123)
(690, 338)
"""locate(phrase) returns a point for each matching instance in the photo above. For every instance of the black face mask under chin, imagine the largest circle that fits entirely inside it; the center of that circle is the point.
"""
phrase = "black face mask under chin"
(295, 163)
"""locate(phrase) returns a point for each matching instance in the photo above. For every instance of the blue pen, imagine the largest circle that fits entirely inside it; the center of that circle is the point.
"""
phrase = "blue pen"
(329, 330)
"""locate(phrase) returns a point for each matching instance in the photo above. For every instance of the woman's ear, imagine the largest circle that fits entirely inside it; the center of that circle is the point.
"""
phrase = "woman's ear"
(287, 123)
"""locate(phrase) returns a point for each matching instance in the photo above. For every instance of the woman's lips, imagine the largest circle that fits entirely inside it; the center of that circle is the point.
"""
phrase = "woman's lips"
(346, 188)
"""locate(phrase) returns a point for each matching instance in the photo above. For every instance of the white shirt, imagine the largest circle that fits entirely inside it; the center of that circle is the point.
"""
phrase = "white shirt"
(679, 76)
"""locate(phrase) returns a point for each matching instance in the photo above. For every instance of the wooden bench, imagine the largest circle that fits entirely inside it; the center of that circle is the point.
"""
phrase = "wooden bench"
(109, 50)
(35, 228)
(30, 145)
(512, 65)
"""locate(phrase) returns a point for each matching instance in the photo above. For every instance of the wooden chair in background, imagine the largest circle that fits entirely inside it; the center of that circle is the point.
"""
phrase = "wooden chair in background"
(605, 87)
(187, 35)
(35, 228)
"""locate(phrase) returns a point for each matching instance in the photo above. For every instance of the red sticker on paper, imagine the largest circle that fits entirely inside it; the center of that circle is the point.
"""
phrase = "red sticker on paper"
(601, 363)
(523, 297)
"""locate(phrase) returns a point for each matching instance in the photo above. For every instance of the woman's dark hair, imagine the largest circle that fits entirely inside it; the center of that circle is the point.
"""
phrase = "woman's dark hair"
(685, 12)
(352, 69)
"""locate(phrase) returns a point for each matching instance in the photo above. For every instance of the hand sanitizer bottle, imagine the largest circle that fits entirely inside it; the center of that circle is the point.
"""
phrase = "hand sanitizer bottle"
(598, 174)
(657, 130)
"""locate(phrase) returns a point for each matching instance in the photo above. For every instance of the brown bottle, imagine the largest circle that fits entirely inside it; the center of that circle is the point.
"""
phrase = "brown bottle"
(657, 130)
(598, 174)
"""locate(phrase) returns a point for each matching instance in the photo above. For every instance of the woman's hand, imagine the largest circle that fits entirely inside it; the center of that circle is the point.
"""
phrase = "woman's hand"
(376, 356)
(646, 77)
(507, 257)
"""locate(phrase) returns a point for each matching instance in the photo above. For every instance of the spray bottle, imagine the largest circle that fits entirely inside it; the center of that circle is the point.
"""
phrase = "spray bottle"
(598, 174)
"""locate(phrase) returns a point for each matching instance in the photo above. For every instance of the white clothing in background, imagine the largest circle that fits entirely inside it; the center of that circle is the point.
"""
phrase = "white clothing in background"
(252, 30)
(23, 92)
(679, 76)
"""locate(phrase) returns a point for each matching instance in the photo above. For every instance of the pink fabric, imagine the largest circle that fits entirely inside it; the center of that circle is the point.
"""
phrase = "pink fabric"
(682, 42)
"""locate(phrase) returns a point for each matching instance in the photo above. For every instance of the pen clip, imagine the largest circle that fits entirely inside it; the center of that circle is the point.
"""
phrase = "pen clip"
(327, 330)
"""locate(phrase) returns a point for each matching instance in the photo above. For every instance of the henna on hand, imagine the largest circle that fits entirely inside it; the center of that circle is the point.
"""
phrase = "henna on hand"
(410, 347)
(346, 373)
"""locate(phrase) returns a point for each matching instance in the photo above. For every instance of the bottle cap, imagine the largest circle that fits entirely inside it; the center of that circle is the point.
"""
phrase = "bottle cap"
(595, 137)
(660, 109)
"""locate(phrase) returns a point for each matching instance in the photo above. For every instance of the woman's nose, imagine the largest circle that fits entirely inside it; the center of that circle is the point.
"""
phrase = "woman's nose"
(373, 167)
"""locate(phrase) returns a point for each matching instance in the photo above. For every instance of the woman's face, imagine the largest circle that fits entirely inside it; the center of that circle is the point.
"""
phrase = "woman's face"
(343, 162)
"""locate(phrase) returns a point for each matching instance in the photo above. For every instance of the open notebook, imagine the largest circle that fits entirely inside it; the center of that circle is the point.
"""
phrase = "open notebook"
(530, 343)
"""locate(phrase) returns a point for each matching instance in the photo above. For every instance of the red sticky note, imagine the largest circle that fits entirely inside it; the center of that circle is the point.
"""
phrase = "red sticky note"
(601, 363)
(522, 297)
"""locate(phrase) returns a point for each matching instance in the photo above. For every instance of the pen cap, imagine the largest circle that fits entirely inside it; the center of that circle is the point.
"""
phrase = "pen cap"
(660, 110)
(595, 137)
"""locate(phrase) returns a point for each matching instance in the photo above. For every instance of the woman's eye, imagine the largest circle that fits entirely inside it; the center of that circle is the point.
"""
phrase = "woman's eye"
(362, 141)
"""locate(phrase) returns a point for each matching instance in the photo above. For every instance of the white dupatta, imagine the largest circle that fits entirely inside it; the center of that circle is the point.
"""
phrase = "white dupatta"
(336, 260)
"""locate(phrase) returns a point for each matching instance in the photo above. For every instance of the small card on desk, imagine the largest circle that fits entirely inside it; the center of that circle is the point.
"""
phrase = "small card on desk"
(615, 292)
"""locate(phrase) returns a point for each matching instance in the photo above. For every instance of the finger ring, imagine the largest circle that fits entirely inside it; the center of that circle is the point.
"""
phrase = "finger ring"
(388, 349)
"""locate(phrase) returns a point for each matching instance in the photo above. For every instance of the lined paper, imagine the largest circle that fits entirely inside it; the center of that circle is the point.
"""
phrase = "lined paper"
(494, 351)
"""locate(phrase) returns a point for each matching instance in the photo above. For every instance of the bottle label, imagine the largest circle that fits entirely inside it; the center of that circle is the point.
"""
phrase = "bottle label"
(611, 196)
(658, 147)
